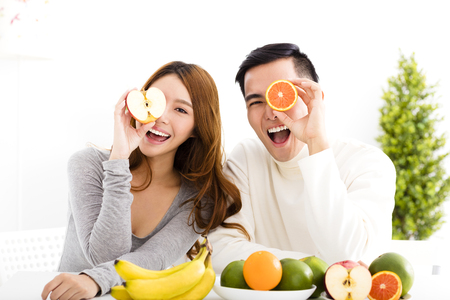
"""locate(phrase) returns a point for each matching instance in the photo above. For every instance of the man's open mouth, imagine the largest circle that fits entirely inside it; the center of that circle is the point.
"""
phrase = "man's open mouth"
(279, 134)
(157, 136)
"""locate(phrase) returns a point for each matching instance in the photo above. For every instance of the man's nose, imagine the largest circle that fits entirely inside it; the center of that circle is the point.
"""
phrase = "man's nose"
(269, 113)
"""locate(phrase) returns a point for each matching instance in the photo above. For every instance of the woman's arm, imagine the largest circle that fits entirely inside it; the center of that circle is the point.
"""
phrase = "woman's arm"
(100, 200)
(158, 253)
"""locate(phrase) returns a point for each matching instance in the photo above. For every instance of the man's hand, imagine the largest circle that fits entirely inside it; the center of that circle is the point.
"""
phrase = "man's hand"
(309, 129)
(70, 286)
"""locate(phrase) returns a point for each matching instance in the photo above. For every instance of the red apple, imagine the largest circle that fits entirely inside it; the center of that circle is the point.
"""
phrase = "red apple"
(348, 264)
(146, 106)
(348, 280)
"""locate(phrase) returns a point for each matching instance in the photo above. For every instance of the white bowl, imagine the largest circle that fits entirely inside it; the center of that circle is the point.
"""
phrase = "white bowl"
(244, 294)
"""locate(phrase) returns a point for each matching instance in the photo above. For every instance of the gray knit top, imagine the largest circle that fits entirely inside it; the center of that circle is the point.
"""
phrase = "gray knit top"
(99, 221)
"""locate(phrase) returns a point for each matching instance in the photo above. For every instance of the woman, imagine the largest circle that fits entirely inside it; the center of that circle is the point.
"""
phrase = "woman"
(150, 198)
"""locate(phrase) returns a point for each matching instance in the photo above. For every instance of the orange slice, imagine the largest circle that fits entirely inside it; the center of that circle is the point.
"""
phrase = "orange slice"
(281, 95)
(386, 285)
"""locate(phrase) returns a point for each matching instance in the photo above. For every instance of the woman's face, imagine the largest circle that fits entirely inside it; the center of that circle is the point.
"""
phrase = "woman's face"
(175, 125)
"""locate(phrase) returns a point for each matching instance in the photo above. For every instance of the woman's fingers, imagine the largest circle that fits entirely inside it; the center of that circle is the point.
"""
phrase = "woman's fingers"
(124, 95)
(144, 128)
(50, 287)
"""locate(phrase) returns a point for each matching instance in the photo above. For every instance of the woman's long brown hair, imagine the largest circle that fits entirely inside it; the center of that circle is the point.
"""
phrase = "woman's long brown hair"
(199, 159)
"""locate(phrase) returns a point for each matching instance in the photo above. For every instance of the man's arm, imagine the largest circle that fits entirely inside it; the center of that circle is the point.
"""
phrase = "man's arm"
(350, 202)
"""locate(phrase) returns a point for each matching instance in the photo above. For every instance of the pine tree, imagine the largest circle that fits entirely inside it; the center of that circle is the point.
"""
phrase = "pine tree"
(408, 119)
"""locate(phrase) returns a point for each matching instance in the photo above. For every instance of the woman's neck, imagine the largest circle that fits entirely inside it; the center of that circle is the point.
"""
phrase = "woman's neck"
(163, 172)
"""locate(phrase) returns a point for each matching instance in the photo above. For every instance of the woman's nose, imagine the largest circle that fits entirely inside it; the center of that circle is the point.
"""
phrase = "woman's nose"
(164, 117)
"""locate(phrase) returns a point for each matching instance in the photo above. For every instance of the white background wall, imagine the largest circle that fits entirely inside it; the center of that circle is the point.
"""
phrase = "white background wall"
(52, 108)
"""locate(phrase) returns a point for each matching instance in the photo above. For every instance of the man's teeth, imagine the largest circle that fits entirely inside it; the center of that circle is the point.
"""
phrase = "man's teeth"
(158, 133)
(277, 129)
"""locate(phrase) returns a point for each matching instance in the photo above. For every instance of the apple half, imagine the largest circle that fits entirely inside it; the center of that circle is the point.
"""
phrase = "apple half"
(348, 284)
(146, 106)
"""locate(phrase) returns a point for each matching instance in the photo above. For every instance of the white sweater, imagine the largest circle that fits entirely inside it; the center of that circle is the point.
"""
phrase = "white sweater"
(336, 204)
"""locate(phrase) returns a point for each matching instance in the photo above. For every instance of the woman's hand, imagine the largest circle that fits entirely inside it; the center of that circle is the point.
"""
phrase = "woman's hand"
(126, 138)
(70, 286)
(311, 128)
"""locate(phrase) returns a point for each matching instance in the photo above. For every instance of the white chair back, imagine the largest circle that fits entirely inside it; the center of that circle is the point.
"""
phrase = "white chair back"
(30, 250)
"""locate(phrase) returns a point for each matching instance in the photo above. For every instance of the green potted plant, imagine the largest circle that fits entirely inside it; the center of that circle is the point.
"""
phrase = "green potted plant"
(408, 121)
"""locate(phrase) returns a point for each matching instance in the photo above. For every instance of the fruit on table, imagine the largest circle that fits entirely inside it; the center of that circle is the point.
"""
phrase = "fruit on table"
(120, 293)
(130, 271)
(233, 276)
(195, 280)
(386, 285)
(262, 271)
(281, 95)
(396, 263)
(297, 275)
(318, 267)
(347, 280)
(146, 106)
(202, 289)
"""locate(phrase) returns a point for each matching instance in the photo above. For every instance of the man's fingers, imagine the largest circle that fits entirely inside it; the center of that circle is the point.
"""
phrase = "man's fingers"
(302, 94)
(284, 118)
(310, 87)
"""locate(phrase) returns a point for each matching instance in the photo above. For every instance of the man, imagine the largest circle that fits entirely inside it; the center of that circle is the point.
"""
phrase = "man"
(302, 193)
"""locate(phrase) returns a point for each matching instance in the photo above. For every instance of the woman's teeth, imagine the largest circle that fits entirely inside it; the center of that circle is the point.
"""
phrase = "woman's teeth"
(277, 129)
(158, 133)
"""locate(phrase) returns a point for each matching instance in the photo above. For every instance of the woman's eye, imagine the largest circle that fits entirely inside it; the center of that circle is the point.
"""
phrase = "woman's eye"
(181, 110)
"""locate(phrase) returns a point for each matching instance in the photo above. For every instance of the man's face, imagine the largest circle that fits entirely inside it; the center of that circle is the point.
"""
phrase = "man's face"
(280, 143)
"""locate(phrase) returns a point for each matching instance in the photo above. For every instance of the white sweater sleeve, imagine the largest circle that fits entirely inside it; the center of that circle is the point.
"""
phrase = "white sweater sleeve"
(349, 209)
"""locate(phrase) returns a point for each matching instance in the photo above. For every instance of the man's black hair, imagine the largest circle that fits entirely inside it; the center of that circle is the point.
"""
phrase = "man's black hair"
(271, 52)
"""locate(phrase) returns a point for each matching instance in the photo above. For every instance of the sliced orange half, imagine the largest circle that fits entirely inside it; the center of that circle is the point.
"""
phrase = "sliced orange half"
(386, 285)
(281, 95)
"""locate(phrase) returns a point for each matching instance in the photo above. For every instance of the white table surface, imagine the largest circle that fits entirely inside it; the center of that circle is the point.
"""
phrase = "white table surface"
(28, 286)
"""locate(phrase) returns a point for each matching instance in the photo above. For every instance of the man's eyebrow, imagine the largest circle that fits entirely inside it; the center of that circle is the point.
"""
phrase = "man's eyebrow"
(184, 102)
(251, 96)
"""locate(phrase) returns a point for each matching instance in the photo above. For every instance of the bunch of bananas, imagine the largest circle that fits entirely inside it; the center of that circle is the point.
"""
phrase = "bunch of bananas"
(190, 280)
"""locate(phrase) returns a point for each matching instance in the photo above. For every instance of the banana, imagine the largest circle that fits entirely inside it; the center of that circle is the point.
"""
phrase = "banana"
(169, 286)
(120, 293)
(202, 289)
(130, 271)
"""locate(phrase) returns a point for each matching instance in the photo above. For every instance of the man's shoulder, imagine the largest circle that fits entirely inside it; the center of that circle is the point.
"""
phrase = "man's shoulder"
(249, 148)
(248, 154)
(346, 149)
(353, 145)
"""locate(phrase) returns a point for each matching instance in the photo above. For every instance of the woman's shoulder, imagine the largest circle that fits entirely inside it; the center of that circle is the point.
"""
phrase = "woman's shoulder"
(88, 157)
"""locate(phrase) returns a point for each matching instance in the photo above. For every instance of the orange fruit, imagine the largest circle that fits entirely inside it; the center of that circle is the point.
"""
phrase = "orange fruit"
(262, 271)
(386, 285)
(281, 95)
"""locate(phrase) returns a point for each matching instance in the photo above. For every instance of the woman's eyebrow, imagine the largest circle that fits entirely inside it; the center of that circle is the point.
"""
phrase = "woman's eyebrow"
(184, 102)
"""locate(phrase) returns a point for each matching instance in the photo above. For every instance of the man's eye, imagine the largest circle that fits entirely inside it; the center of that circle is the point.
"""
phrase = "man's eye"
(255, 102)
